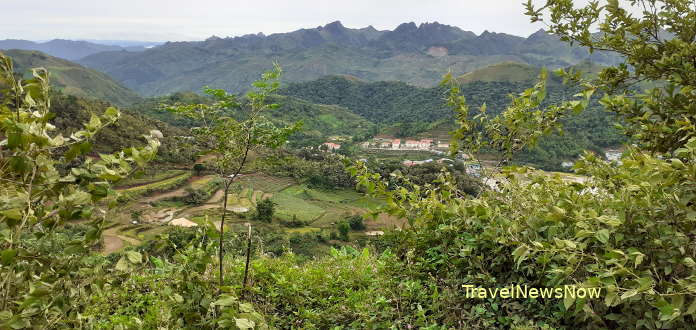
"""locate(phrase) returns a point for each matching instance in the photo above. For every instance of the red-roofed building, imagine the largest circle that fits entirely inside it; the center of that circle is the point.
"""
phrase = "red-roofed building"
(425, 143)
(331, 146)
(411, 144)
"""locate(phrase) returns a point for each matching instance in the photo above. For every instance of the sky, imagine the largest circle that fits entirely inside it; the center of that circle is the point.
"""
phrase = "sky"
(184, 20)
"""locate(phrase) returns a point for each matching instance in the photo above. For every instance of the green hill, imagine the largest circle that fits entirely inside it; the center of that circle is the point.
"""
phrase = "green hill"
(73, 111)
(390, 102)
(507, 72)
(72, 78)
(320, 121)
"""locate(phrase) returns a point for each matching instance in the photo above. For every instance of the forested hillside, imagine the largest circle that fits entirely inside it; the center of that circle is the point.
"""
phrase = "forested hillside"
(413, 110)
(415, 54)
(319, 121)
(74, 79)
(71, 112)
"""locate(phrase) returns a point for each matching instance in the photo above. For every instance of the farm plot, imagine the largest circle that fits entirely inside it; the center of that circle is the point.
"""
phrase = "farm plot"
(265, 183)
(148, 178)
(158, 186)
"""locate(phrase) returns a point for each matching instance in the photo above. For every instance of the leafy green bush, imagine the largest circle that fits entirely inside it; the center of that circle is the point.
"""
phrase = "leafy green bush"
(264, 210)
(356, 222)
(343, 229)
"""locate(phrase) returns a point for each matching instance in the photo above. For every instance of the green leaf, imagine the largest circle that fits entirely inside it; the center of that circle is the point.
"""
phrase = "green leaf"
(602, 235)
(226, 301)
(111, 113)
(244, 323)
(7, 256)
(14, 214)
(246, 308)
(520, 253)
(134, 257)
(610, 220)
(628, 294)
(14, 140)
(122, 265)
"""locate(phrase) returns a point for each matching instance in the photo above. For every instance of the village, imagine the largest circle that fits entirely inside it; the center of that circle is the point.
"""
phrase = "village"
(384, 143)
(436, 147)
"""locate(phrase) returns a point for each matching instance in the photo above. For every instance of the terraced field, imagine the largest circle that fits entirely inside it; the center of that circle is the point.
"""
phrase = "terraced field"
(155, 186)
(147, 178)
(154, 204)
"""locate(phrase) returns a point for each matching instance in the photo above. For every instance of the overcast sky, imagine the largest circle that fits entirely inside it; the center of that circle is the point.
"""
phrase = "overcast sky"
(170, 20)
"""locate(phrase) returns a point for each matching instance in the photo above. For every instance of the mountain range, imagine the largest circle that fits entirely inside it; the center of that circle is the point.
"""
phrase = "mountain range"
(71, 49)
(415, 54)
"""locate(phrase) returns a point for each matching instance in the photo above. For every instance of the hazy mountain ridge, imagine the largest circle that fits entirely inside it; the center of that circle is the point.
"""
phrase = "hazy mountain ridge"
(67, 49)
(416, 54)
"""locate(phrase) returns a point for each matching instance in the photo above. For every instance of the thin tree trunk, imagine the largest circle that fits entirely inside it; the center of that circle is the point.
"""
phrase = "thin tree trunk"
(246, 267)
(224, 203)
(222, 228)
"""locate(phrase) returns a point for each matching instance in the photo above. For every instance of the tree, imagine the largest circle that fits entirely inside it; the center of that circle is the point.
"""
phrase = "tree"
(343, 229)
(627, 229)
(229, 129)
(356, 222)
(264, 210)
(198, 168)
(658, 47)
(48, 180)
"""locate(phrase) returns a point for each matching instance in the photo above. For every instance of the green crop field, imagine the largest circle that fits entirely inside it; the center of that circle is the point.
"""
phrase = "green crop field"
(266, 183)
(289, 204)
(154, 187)
(146, 178)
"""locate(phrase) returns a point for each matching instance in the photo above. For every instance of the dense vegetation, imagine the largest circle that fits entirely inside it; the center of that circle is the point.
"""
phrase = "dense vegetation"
(71, 111)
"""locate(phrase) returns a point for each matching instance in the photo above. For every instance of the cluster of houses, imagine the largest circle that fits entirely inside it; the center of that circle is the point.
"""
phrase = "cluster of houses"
(330, 146)
(398, 144)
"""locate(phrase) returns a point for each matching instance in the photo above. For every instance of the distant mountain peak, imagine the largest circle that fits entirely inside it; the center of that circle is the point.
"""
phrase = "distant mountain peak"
(541, 33)
(406, 27)
(334, 25)
(429, 25)
(334, 28)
